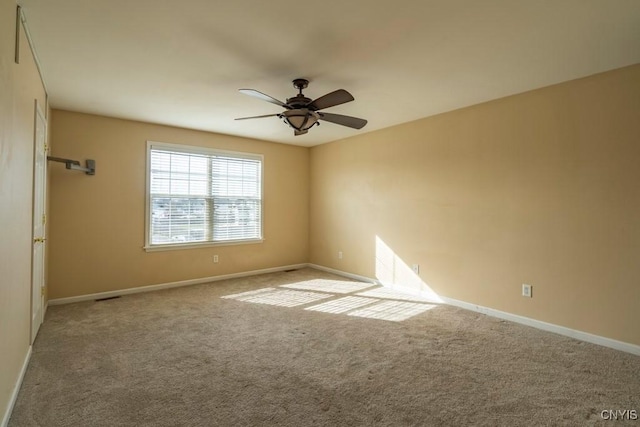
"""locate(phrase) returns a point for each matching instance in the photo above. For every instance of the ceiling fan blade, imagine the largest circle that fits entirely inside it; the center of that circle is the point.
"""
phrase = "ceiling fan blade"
(336, 97)
(339, 119)
(263, 96)
(257, 117)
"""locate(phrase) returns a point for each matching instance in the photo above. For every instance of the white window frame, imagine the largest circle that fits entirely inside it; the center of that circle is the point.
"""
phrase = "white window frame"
(190, 149)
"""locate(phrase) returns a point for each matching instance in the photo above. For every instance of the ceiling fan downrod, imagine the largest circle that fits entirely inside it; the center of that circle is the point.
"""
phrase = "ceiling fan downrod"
(300, 84)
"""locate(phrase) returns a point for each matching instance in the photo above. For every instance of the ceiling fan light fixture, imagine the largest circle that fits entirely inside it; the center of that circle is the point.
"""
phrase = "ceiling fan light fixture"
(301, 119)
(302, 113)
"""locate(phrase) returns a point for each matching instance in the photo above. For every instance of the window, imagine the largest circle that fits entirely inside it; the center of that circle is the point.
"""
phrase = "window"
(200, 196)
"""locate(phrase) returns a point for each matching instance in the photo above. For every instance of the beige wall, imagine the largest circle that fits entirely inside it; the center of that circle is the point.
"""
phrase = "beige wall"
(540, 188)
(20, 85)
(97, 222)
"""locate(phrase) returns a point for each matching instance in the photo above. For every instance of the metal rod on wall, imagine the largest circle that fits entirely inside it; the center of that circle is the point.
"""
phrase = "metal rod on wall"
(75, 165)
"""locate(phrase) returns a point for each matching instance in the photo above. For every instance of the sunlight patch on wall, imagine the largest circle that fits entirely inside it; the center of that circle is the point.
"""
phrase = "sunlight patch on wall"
(392, 271)
(335, 286)
(394, 311)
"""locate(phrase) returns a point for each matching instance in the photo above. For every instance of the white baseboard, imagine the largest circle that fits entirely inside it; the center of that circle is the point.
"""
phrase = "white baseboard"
(16, 390)
(538, 324)
(550, 327)
(149, 288)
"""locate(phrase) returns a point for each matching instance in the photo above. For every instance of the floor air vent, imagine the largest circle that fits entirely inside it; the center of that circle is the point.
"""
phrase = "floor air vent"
(107, 298)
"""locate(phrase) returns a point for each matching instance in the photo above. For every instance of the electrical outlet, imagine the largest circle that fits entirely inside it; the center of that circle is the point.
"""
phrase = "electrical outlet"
(416, 268)
(339, 254)
(526, 290)
(215, 259)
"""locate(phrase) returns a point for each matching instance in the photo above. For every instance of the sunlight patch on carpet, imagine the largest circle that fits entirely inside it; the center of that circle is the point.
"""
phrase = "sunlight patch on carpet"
(322, 285)
(386, 293)
(342, 305)
(279, 297)
(395, 311)
(247, 294)
(378, 303)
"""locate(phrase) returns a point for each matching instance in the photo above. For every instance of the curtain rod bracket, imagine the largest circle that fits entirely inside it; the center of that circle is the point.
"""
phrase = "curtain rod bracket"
(75, 165)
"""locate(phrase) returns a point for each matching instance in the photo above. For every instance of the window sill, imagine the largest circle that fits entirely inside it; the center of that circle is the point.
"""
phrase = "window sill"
(180, 246)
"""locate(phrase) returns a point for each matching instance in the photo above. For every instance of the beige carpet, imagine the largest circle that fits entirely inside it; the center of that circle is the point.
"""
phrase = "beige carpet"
(302, 356)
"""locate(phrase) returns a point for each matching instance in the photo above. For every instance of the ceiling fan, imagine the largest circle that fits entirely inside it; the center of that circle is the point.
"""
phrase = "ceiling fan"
(301, 113)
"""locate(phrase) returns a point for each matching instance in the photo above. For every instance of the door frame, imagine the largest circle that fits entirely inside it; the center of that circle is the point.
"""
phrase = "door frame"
(39, 228)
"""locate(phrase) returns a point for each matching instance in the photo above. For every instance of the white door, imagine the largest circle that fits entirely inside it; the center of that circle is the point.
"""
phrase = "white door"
(39, 221)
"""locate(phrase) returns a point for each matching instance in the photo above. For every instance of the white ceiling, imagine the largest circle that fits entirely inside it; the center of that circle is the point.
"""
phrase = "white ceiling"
(181, 63)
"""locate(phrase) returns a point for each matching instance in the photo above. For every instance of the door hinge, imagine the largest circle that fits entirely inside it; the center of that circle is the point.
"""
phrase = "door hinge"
(42, 291)
(44, 219)
(46, 147)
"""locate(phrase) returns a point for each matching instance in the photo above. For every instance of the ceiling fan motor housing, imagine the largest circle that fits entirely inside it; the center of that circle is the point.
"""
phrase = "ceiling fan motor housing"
(298, 101)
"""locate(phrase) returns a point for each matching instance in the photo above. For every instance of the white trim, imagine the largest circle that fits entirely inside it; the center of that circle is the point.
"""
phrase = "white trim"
(538, 324)
(16, 390)
(549, 327)
(196, 150)
(38, 116)
(149, 288)
(32, 46)
(196, 245)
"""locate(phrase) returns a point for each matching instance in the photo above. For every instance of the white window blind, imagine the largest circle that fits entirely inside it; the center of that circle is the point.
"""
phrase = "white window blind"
(203, 196)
